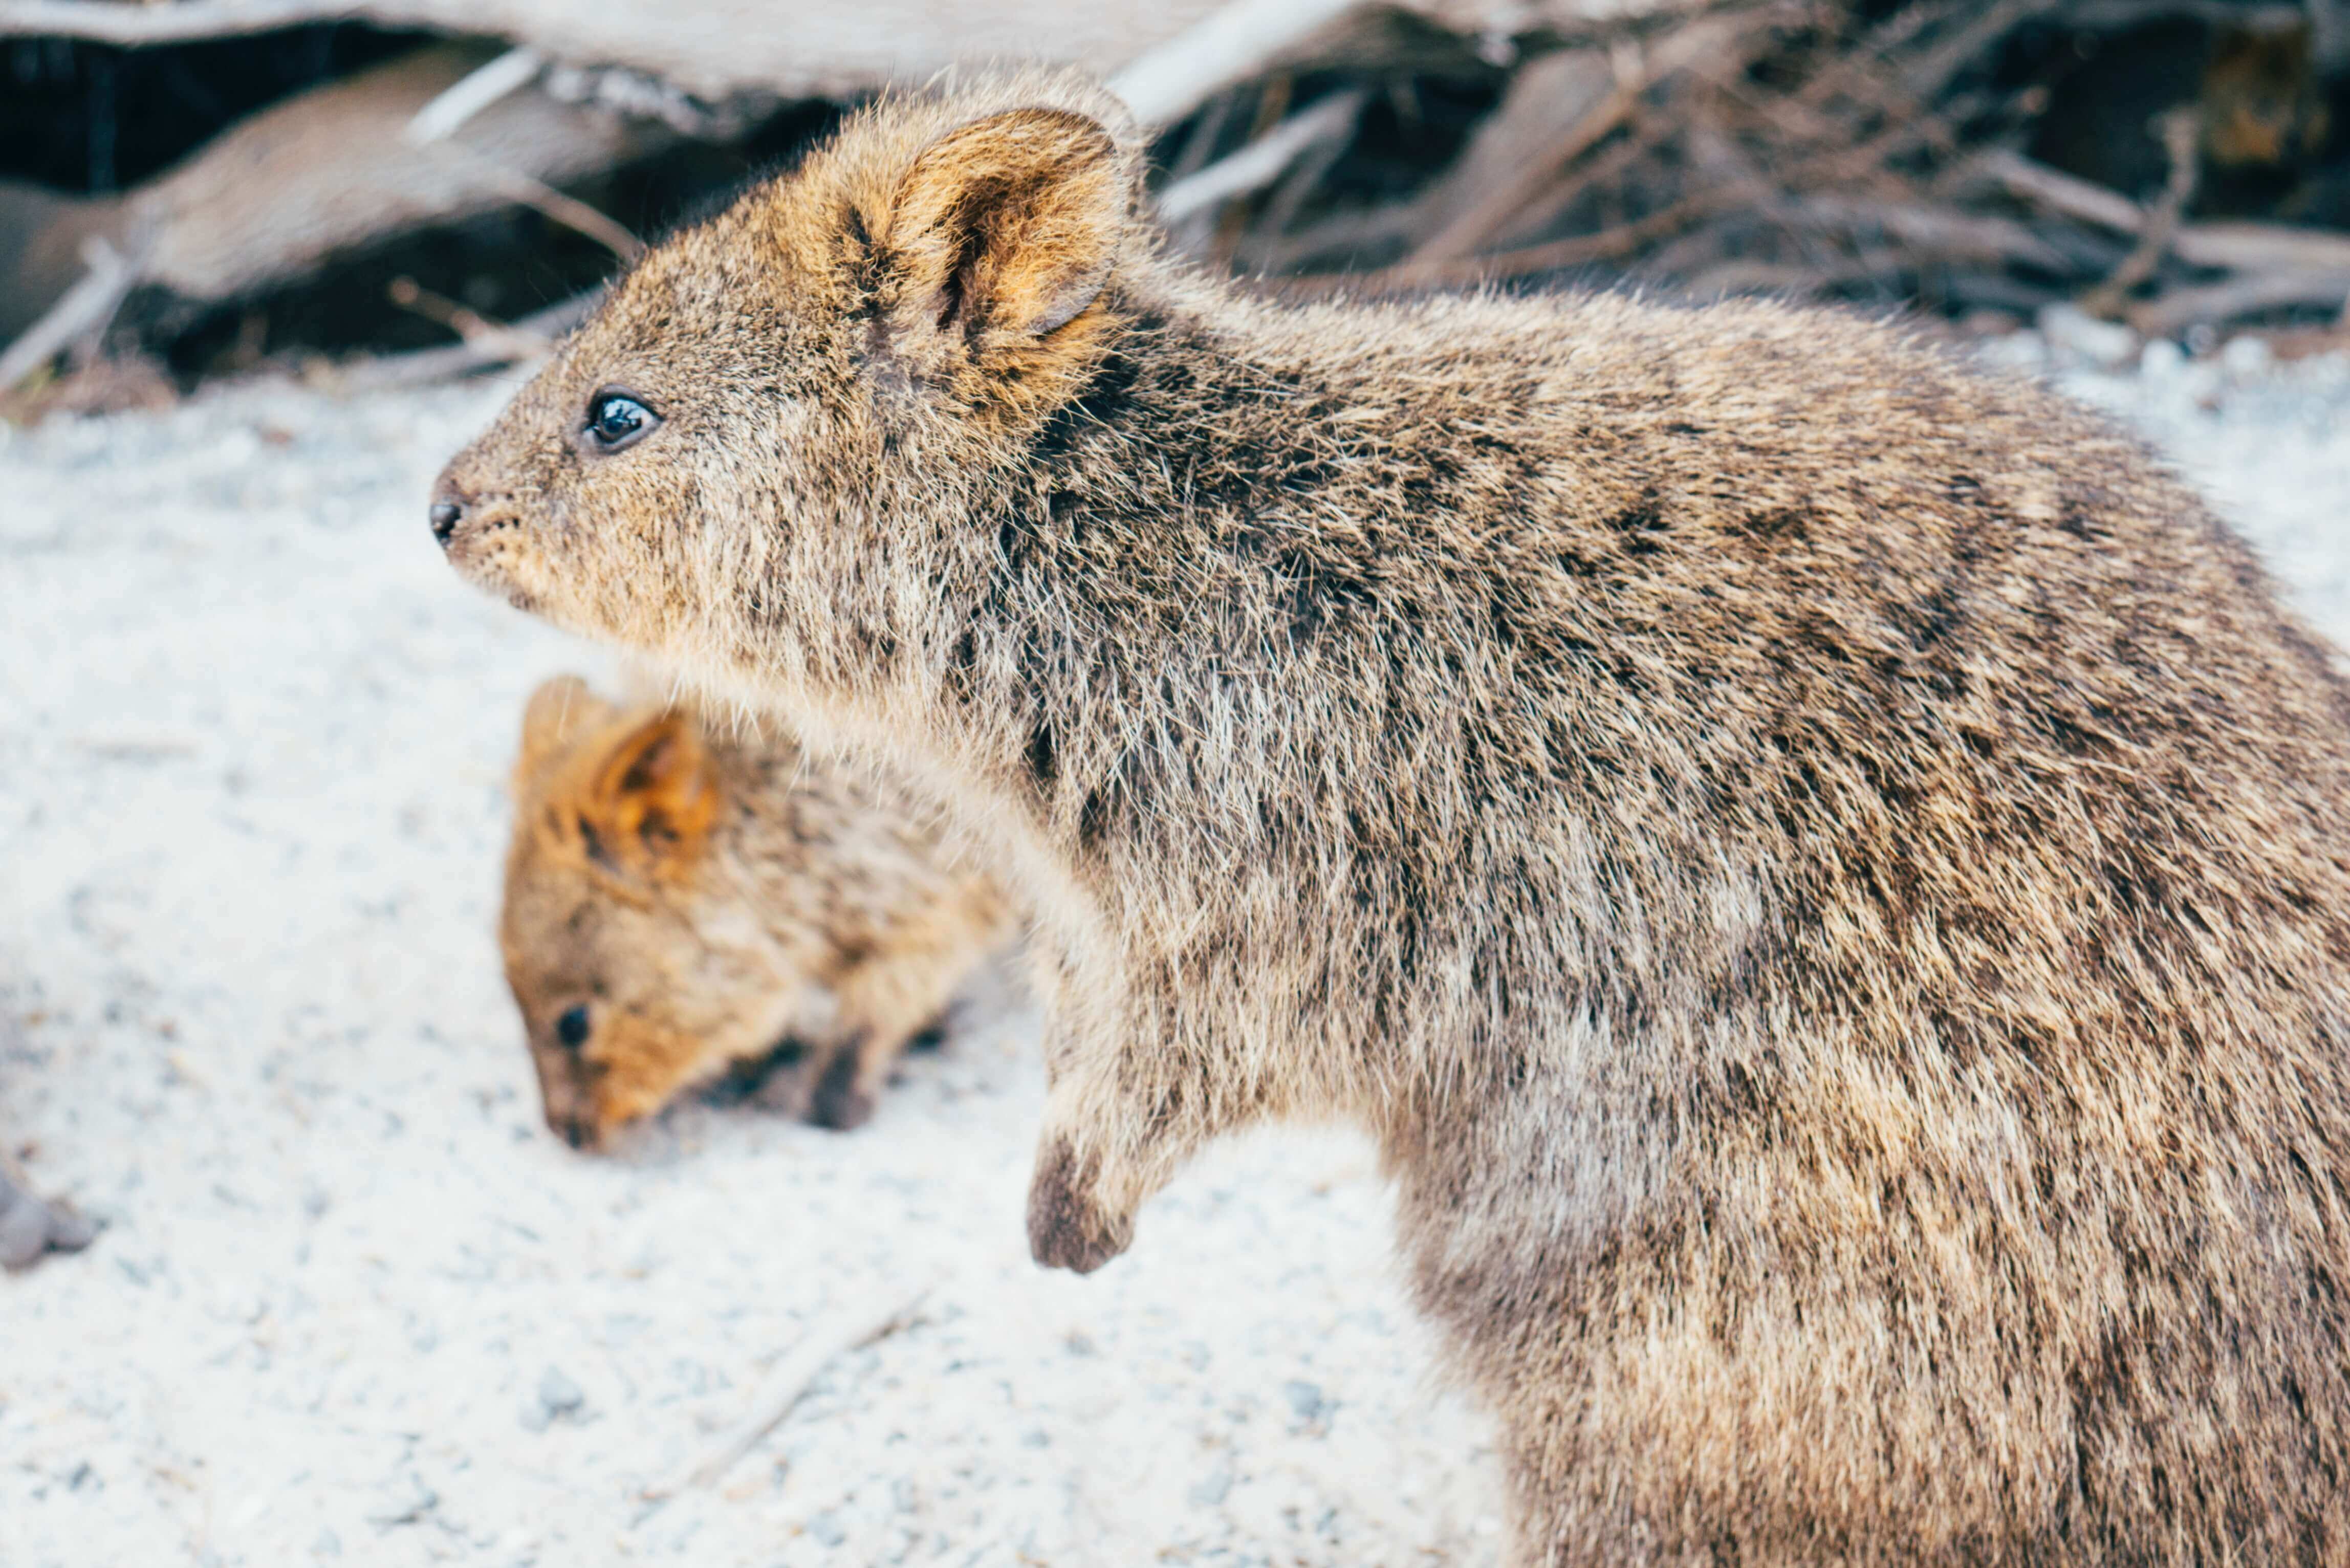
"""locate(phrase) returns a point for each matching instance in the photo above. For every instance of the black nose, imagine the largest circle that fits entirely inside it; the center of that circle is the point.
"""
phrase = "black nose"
(444, 515)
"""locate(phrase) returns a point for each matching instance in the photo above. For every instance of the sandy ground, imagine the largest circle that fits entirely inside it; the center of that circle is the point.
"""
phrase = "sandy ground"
(353, 1303)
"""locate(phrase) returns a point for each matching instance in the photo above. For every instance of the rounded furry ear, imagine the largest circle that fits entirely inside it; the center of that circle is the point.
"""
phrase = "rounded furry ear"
(1008, 225)
(560, 709)
(653, 797)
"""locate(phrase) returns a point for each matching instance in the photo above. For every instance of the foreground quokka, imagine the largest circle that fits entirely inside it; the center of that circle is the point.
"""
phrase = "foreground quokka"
(1828, 875)
(683, 903)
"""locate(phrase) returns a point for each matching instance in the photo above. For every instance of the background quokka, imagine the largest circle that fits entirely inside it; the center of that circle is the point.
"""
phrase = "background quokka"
(683, 902)
(1826, 875)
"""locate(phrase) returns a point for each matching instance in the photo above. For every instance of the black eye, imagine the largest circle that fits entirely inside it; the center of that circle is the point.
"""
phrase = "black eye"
(615, 419)
(571, 1029)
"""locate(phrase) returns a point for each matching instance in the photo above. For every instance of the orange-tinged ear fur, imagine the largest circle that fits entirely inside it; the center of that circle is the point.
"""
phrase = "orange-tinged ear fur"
(559, 711)
(1005, 231)
(653, 799)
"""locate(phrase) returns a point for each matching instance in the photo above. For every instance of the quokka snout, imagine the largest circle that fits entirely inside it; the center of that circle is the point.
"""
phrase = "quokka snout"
(1823, 870)
(684, 902)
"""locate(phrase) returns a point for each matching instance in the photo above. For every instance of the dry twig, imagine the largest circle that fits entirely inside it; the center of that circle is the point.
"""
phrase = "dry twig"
(523, 339)
(1264, 160)
(81, 313)
(789, 1382)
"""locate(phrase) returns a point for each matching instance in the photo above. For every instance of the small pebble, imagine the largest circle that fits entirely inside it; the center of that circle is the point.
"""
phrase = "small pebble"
(1210, 1492)
(1306, 1398)
(559, 1395)
(2068, 327)
(2161, 359)
(2247, 358)
(827, 1530)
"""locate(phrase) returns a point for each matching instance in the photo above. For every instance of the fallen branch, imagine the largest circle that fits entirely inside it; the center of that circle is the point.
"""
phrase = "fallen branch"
(106, 22)
(1167, 82)
(1944, 232)
(476, 91)
(2177, 309)
(1466, 232)
(1264, 160)
(2234, 246)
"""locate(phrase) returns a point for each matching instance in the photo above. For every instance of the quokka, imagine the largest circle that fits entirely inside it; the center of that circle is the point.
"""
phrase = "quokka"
(683, 903)
(1822, 870)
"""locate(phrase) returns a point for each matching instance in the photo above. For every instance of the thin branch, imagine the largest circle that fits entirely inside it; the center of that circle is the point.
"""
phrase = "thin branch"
(1164, 84)
(2179, 309)
(2250, 246)
(83, 310)
(2181, 130)
(472, 93)
(1684, 47)
(523, 339)
(1264, 160)
(544, 198)
(471, 326)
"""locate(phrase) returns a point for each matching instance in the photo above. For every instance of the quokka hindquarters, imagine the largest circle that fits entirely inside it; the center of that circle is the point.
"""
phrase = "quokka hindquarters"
(1822, 870)
(683, 902)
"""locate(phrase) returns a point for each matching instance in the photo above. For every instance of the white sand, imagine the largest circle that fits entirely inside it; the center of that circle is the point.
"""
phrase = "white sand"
(253, 740)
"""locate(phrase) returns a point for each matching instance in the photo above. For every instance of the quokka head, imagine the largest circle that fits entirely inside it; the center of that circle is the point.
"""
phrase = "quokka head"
(639, 966)
(781, 411)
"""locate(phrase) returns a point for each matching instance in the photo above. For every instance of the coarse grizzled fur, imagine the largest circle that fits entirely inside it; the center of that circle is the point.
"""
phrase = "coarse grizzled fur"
(1824, 870)
(698, 900)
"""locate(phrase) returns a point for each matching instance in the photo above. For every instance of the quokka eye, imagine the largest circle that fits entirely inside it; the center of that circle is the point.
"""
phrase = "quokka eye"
(615, 419)
(571, 1029)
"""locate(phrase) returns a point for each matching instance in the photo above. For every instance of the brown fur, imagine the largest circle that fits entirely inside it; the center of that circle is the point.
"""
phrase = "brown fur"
(1824, 871)
(706, 897)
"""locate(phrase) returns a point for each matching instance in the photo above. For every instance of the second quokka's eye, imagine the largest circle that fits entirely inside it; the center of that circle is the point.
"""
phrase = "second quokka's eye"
(571, 1029)
(615, 419)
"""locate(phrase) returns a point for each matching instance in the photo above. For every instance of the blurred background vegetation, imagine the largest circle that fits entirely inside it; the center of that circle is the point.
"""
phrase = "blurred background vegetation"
(384, 192)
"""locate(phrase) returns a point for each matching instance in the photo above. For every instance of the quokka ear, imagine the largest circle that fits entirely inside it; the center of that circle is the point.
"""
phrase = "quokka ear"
(1007, 228)
(652, 798)
(561, 710)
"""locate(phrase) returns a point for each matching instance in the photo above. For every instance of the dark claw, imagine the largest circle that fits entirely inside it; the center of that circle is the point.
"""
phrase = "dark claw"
(1065, 1230)
(838, 1102)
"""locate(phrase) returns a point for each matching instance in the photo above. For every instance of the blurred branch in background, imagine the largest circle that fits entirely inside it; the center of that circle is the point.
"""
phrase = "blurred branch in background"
(2175, 165)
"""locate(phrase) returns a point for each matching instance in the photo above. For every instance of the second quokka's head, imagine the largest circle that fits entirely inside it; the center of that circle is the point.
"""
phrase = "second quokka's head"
(640, 967)
(780, 406)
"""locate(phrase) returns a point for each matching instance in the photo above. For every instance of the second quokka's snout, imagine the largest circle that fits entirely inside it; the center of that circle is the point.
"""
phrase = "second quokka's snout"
(683, 906)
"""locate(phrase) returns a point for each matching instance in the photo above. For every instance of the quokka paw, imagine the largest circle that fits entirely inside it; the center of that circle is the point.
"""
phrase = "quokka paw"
(840, 1102)
(1066, 1228)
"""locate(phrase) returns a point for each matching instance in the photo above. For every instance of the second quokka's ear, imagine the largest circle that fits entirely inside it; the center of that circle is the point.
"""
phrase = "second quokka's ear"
(652, 798)
(1005, 230)
(560, 710)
